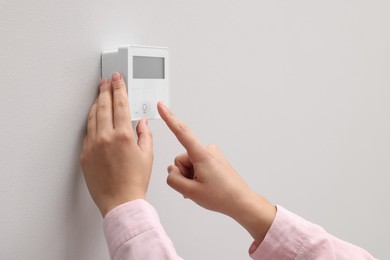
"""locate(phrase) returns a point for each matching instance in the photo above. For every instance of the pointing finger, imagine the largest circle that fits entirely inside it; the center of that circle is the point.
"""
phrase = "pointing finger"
(194, 147)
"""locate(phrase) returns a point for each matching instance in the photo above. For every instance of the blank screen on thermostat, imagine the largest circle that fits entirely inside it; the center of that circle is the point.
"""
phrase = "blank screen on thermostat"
(148, 67)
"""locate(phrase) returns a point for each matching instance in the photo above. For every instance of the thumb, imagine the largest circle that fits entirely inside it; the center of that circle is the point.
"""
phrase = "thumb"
(145, 138)
(180, 183)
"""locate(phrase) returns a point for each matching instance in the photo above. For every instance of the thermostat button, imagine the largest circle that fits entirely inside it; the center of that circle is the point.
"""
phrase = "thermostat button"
(144, 109)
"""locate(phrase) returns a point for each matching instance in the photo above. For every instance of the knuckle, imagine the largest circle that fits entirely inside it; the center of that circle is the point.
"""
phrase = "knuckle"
(118, 85)
(124, 136)
(177, 161)
(102, 105)
(104, 140)
(120, 103)
(103, 87)
(182, 127)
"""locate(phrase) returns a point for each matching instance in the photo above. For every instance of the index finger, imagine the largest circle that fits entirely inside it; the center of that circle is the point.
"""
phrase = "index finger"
(194, 147)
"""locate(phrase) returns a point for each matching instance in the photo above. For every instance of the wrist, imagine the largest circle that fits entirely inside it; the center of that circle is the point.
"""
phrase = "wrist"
(256, 215)
(108, 206)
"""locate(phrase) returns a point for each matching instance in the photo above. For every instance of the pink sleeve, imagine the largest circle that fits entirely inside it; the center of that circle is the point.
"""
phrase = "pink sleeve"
(292, 237)
(133, 231)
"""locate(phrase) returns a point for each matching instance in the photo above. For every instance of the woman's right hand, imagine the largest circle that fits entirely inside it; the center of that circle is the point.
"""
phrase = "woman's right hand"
(203, 175)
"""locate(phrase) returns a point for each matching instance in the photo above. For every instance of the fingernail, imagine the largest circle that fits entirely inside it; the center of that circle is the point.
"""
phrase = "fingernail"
(116, 76)
(169, 169)
(163, 105)
(146, 121)
(102, 81)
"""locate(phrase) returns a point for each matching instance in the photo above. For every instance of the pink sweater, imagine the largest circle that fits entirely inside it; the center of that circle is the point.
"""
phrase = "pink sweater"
(133, 231)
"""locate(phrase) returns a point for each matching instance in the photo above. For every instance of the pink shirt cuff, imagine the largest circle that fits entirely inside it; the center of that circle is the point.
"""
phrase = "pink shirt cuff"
(284, 239)
(133, 230)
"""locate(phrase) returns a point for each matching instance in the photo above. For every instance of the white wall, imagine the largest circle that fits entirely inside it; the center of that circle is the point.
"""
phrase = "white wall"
(296, 93)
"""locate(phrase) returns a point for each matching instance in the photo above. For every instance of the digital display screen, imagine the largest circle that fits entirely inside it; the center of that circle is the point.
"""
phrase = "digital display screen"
(148, 67)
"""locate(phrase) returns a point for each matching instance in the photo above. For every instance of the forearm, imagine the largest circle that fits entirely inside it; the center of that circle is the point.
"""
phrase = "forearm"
(255, 214)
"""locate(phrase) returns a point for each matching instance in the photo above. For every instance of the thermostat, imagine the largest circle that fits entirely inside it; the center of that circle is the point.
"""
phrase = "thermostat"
(146, 72)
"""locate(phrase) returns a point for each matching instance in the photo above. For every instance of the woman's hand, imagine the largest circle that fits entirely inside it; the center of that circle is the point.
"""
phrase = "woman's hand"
(116, 167)
(203, 175)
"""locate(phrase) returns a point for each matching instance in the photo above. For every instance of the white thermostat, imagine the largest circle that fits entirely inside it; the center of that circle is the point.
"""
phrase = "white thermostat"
(146, 73)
